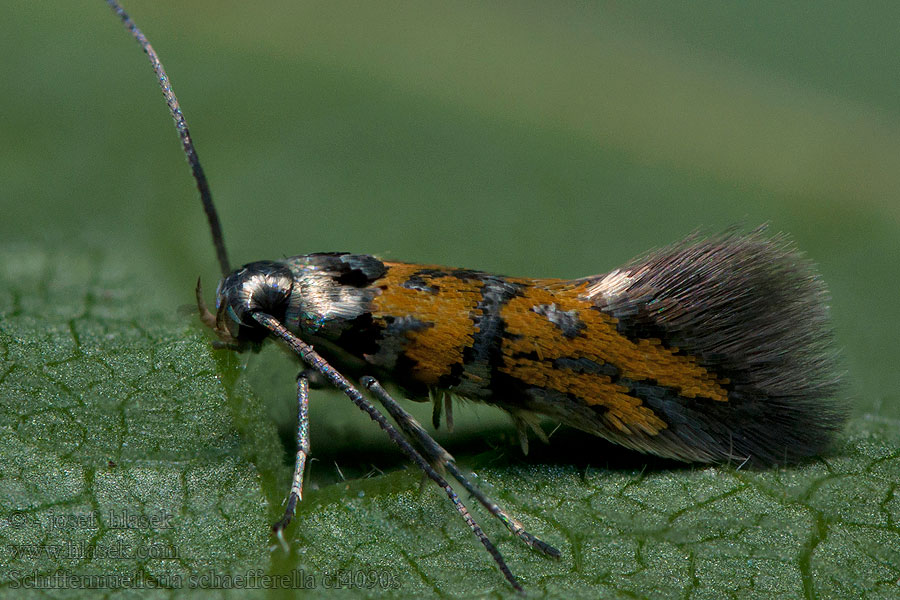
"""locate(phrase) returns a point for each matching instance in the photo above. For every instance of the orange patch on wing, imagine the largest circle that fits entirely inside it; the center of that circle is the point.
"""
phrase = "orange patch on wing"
(600, 342)
(624, 411)
(449, 313)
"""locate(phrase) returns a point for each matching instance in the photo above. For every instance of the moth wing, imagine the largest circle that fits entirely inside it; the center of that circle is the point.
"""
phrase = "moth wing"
(750, 309)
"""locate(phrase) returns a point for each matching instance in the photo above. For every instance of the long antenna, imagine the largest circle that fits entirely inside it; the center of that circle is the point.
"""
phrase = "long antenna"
(181, 125)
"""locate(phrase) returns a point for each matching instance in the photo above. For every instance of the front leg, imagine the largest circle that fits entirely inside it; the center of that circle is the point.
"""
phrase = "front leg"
(302, 452)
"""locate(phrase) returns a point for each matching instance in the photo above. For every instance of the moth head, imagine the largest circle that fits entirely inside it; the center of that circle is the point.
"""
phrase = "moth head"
(259, 287)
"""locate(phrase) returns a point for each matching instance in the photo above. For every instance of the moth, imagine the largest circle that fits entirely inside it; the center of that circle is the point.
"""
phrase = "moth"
(714, 349)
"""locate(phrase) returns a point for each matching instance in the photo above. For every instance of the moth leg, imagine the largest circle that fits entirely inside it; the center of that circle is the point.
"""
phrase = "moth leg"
(314, 360)
(524, 421)
(296, 493)
(438, 405)
(442, 458)
(448, 411)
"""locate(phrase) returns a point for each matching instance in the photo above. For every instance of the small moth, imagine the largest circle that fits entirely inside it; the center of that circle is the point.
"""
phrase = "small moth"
(712, 349)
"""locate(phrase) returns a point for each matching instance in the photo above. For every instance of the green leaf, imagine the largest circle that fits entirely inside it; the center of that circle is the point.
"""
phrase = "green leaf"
(135, 455)
(117, 434)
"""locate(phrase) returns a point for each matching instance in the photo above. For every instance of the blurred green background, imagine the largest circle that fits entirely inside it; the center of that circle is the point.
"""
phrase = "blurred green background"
(526, 138)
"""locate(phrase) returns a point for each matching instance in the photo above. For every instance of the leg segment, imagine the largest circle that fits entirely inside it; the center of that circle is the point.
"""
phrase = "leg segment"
(442, 458)
(302, 452)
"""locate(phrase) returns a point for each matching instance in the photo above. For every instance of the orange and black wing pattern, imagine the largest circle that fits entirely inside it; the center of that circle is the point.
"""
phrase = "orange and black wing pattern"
(712, 349)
